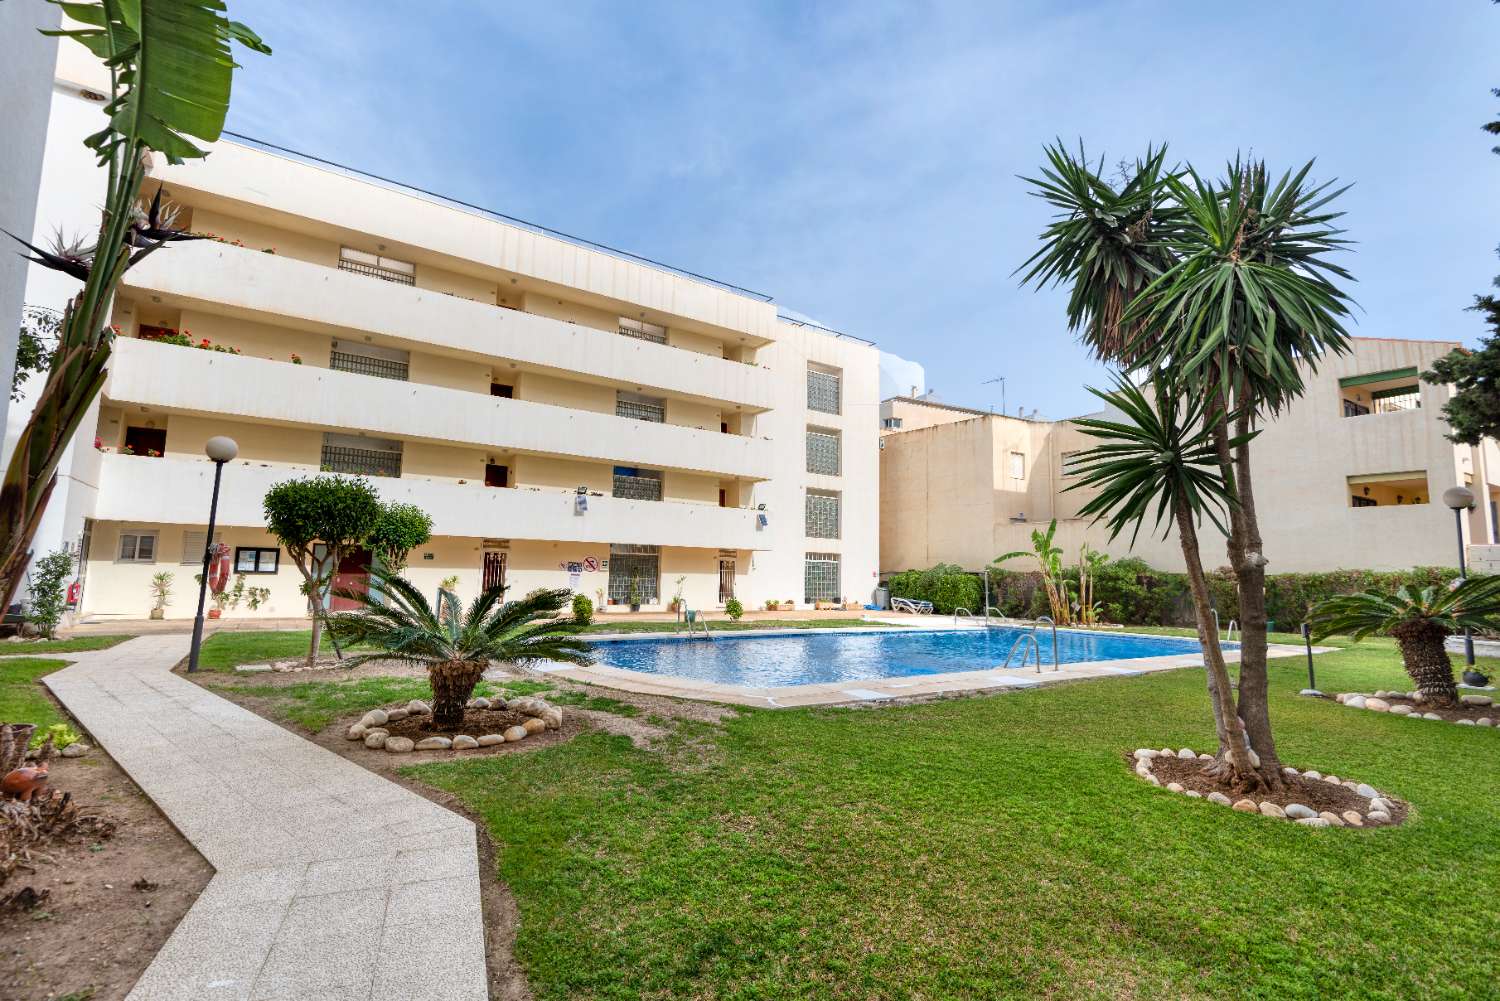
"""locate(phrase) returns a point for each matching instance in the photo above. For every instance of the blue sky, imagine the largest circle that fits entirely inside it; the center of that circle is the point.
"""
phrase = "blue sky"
(858, 161)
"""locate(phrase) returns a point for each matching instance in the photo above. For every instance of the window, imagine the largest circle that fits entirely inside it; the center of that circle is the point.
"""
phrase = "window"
(823, 390)
(1072, 463)
(726, 580)
(356, 456)
(1397, 398)
(502, 390)
(1018, 465)
(1386, 392)
(369, 359)
(145, 441)
(496, 475)
(638, 564)
(822, 515)
(254, 559)
(891, 423)
(640, 408)
(137, 547)
(637, 484)
(643, 331)
(1389, 489)
(823, 451)
(385, 268)
(821, 577)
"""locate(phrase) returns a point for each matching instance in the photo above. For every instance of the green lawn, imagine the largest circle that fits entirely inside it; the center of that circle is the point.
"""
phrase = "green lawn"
(22, 697)
(77, 644)
(995, 848)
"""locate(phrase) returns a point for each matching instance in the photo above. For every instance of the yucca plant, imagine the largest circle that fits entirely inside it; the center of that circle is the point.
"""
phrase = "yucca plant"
(1420, 621)
(453, 644)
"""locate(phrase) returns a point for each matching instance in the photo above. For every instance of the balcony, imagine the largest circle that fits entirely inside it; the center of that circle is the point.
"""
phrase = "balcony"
(187, 380)
(286, 292)
(176, 491)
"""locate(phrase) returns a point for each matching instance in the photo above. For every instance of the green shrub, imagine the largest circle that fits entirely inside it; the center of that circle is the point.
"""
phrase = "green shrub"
(583, 609)
(946, 585)
(48, 592)
(734, 609)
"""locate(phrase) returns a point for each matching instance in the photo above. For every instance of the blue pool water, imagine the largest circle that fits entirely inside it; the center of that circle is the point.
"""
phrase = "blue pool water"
(815, 658)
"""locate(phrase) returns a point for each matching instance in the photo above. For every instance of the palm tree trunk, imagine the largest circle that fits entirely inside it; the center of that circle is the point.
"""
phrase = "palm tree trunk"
(1426, 659)
(452, 683)
(1233, 750)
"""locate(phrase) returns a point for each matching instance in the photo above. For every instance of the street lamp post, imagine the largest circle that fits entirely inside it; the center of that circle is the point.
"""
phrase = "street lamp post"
(221, 450)
(1461, 499)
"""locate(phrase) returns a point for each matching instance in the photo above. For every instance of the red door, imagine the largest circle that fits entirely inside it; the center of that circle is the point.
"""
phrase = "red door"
(353, 574)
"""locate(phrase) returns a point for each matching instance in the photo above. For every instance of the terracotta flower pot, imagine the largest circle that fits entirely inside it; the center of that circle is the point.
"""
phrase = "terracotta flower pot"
(214, 613)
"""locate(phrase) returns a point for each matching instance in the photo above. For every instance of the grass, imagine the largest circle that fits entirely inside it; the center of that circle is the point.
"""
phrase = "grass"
(22, 697)
(77, 644)
(995, 848)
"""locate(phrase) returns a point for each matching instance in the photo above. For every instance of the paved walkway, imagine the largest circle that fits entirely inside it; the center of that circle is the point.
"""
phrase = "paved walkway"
(331, 882)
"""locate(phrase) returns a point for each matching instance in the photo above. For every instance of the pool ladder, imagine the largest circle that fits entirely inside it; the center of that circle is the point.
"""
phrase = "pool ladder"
(1229, 633)
(1028, 644)
(690, 619)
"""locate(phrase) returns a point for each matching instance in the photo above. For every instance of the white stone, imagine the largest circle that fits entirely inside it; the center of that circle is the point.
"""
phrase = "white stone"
(1205, 757)
(1432, 716)
(434, 744)
(491, 739)
(1355, 702)
(1377, 705)
(464, 742)
(1145, 753)
(1141, 769)
(1333, 819)
(1218, 797)
(1312, 692)
(1477, 700)
(1313, 822)
(396, 715)
(1464, 722)
(553, 718)
(1310, 774)
(534, 725)
(1187, 754)
(1153, 780)
(1298, 811)
(1270, 809)
(1417, 697)
(1484, 721)
(479, 703)
(376, 739)
(357, 732)
(1246, 806)
(1254, 758)
(77, 749)
(1332, 780)
(1167, 752)
(375, 717)
(1352, 818)
(1193, 794)
(1175, 787)
(1289, 771)
(398, 745)
(515, 733)
(1401, 709)
(1376, 817)
(1379, 805)
(418, 708)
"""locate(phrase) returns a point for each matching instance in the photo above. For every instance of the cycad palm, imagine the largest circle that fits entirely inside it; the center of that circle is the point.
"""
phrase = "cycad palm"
(454, 645)
(1420, 621)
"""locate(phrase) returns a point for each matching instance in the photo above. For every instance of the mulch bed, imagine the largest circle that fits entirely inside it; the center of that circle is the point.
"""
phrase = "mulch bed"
(477, 723)
(1316, 793)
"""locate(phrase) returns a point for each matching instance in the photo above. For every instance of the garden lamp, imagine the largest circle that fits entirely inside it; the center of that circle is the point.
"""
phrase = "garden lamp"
(221, 450)
(1461, 499)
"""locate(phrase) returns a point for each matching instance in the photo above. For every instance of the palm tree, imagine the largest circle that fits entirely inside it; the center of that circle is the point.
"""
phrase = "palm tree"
(1048, 558)
(1420, 621)
(1160, 463)
(1226, 285)
(456, 648)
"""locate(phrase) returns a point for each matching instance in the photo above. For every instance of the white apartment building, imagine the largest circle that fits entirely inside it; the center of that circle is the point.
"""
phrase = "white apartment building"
(568, 415)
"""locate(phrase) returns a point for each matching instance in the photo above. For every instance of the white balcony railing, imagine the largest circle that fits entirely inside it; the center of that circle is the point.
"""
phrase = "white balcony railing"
(255, 389)
(176, 491)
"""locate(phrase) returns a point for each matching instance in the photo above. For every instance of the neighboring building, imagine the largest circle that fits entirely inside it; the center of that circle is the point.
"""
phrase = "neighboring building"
(899, 377)
(480, 368)
(1350, 476)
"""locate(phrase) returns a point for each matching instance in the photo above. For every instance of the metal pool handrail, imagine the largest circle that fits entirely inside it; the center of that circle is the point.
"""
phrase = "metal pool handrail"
(1056, 662)
(1021, 640)
(967, 614)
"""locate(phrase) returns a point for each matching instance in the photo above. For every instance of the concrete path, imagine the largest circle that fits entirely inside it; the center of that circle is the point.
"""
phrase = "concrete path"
(331, 884)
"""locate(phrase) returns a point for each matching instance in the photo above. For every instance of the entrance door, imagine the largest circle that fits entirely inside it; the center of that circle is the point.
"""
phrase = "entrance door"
(726, 580)
(494, 569)
(353, 574)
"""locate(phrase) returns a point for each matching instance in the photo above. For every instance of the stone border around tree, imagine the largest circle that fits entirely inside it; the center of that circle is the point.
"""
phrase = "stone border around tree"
(1378, 812)
(543, 716)
(1379, 702)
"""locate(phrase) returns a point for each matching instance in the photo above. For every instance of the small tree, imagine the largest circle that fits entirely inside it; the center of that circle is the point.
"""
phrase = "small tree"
(399, 529)
(337, 512)
(48, 595)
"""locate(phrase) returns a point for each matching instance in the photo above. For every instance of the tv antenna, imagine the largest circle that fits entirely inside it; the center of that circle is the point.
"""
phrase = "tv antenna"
(1001, 380)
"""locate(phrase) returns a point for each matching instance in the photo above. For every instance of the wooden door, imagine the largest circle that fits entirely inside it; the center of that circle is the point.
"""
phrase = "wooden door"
(494, 569)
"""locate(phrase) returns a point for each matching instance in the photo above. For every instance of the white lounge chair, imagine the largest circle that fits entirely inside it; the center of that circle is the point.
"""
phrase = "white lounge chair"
(911, 606)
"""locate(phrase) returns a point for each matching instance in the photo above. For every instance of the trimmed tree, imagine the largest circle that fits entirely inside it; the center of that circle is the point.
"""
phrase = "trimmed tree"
(399, 529)
(337, 512)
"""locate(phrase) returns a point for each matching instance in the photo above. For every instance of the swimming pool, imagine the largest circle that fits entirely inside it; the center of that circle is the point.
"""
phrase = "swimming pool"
(820, 657)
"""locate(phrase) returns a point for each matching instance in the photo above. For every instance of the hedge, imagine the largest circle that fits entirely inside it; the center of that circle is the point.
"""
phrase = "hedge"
(946, 585)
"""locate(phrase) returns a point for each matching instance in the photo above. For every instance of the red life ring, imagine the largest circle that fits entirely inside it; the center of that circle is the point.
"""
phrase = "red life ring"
(218, 568)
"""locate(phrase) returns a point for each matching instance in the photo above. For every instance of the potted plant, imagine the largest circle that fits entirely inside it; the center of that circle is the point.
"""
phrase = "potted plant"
(772, 604)
(161, 593)
(635, 594)
(675, 605)
(734, 609)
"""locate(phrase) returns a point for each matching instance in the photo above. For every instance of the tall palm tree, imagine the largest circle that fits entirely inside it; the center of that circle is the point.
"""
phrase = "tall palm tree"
(1160, 463)
(456, 646)
(1225, 284)
(1420, 621)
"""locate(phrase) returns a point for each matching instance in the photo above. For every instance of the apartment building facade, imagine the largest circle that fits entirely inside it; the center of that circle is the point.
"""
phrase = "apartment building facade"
(568, 415)
(1350, 476)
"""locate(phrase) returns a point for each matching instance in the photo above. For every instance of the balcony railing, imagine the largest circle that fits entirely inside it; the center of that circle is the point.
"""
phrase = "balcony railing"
(384, 368)
(374, 271)
(646, 488)
(361, 461)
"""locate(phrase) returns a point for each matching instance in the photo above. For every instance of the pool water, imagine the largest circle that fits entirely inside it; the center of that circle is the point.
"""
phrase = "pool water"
(816, 658)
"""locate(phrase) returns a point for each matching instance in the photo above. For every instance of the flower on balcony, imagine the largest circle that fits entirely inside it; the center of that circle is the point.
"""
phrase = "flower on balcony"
(153, 453)
(296, 358)
(127, 450)
(98, 443)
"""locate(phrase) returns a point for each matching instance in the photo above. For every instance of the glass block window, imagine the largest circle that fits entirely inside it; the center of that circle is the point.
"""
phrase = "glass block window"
(373, 265)
(640, 408)
(357, 456)
(821, 578)
(637, 484)
(643, 331)
(641, 564)
(823, 391)
(823, 452)
(822, 515)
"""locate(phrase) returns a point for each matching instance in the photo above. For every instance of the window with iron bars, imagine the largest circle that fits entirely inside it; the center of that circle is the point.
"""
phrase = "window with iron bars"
(822, 515)
(374, 266)
(637, 484)
(643, 331)
(822, 391)
(821, 578)
(340, 455)
(385, 368)
(638, 564)
(640, 408)
(823, 452)
(1390, 401)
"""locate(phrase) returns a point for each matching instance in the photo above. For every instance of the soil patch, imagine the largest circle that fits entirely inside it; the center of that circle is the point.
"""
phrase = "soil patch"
(112, 903)
(1319, 794)
(477, 723)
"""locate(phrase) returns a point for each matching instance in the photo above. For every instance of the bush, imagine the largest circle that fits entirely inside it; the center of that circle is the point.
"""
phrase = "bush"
(1289, 596)
(583, 609)
(48, 595)
(946, 585)
(734, 609)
